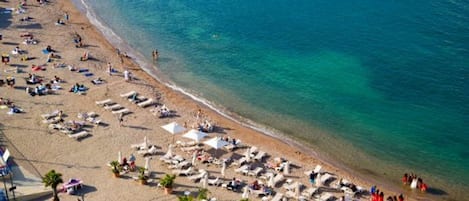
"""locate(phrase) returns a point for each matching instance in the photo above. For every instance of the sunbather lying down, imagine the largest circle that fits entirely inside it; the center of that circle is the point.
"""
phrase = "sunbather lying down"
(97, 81)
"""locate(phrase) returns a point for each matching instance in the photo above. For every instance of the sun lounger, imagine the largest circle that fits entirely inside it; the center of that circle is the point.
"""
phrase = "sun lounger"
(146, 103)
(214, 182)
(256, 172)
(277, 197)
(50, 115)
(78, 135)
(152, 151)
(104, 102)
(137, 99)
(179, 165)
(325, 178)
(113, 107)
(54, 120)
(278, 178)
(242, 168)
(186, 172)
(326, 197)
(94, 120)
(308, 193)
(240, 161)
(197, 177)
(193, 148)
(186, 144)
(260, 155)
(126, 95)
(123, 111)
(86, 115)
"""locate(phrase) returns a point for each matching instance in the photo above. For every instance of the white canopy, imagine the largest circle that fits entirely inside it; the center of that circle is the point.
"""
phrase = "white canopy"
(195, 135)
(173, 128)
(216, 143)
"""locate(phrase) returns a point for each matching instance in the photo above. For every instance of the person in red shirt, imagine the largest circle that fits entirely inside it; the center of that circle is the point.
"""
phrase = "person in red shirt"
(404, 179)
(423, 187)
(401, 197)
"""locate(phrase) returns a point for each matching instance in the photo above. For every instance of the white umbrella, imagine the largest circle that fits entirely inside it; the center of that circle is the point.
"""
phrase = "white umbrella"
(297, 190)
(286, 169)
(195, 135)
(245, 193)
(247, 155)
(216, 143)
(223, 167)
(169, 153)
(119, 157)
(147, 163)
(145, 142)
(173, 128)
(270, 183)
(194, 157)
(204, 180)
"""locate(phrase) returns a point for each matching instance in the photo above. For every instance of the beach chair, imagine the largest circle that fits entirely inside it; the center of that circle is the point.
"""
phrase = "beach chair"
(326, 197)
(197, 177)
(214, 182)
(277, 197)
(146, 103)
(113, 107)
(240, 161)
(78, 135)
(54, 120)
(137, 99)
(308, 193)
(179, 165)
(325, 178)
(104, 102)
(256, 171)
(94, 120)
(278, 178)
(128, 94)
(242, 169)
(50, 115)
(186, 172)
(192, 148)
(186, 144)
(123, 111)
(260, 155)
(152, 151)
(317, 169)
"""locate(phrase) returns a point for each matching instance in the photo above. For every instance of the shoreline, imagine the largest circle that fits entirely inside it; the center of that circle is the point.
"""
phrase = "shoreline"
(249, 136)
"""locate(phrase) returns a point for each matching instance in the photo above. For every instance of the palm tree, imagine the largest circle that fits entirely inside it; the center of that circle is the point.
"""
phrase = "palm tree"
(53, 179)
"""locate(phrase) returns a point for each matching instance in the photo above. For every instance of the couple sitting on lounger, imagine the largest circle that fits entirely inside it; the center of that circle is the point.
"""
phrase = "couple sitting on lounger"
(78, 88)
(234, 184)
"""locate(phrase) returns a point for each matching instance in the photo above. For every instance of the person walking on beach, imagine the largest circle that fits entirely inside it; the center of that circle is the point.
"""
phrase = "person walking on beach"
(127, 75)
(66, 16)
(109, 68)
(120, 118)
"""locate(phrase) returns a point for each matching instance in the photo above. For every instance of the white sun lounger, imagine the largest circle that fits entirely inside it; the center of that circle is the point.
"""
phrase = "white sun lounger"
(78, 135)
(242, 168)
(113, 107)
(179, 165)
(260, 155)
(198, 176)
(317, 169)
(153, 150)
(137, 99)
(326, 197)
(308, 193)
(325, 178)
(146, 103)
(187, 172)
(278, 178)
(104, 102)
(277, 197)
(130, 93)
(256, 172)
(214, 182)
(50, 115)
(123, 111)
(52, 120)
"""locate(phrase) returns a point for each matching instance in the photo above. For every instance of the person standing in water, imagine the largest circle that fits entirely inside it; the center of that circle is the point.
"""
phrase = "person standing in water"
(155, 54)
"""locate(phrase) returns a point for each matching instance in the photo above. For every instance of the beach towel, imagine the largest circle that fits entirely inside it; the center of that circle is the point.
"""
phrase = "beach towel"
(44, 51)
(88, 74)
(82, 70)
(3, 107)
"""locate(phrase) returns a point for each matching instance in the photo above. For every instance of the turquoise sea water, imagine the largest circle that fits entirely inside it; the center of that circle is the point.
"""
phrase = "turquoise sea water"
(380, 86)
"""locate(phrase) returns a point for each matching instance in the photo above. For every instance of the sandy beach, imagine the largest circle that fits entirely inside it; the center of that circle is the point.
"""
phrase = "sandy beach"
(37, 148)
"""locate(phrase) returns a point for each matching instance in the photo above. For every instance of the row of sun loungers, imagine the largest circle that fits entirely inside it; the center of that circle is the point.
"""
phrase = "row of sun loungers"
(141, 101)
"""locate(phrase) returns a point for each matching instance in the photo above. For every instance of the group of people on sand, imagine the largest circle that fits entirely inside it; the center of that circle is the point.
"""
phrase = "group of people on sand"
(377, 195)
(414, 182)
(9, 104)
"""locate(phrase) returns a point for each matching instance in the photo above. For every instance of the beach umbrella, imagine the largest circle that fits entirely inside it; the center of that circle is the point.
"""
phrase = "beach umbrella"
(223, 168)
(245, 193)
(195, 135)
(194, 157)
(247, 155)
(145, 142)
(286, 168)
(147, 163)
(270, 183)
(216, 143)
(297, 190)
(173, 128)
(204, 180)
(169, 153)
(119, 157)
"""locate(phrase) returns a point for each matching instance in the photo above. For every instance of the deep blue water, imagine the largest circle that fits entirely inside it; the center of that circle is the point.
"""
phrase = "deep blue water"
(377, 85)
